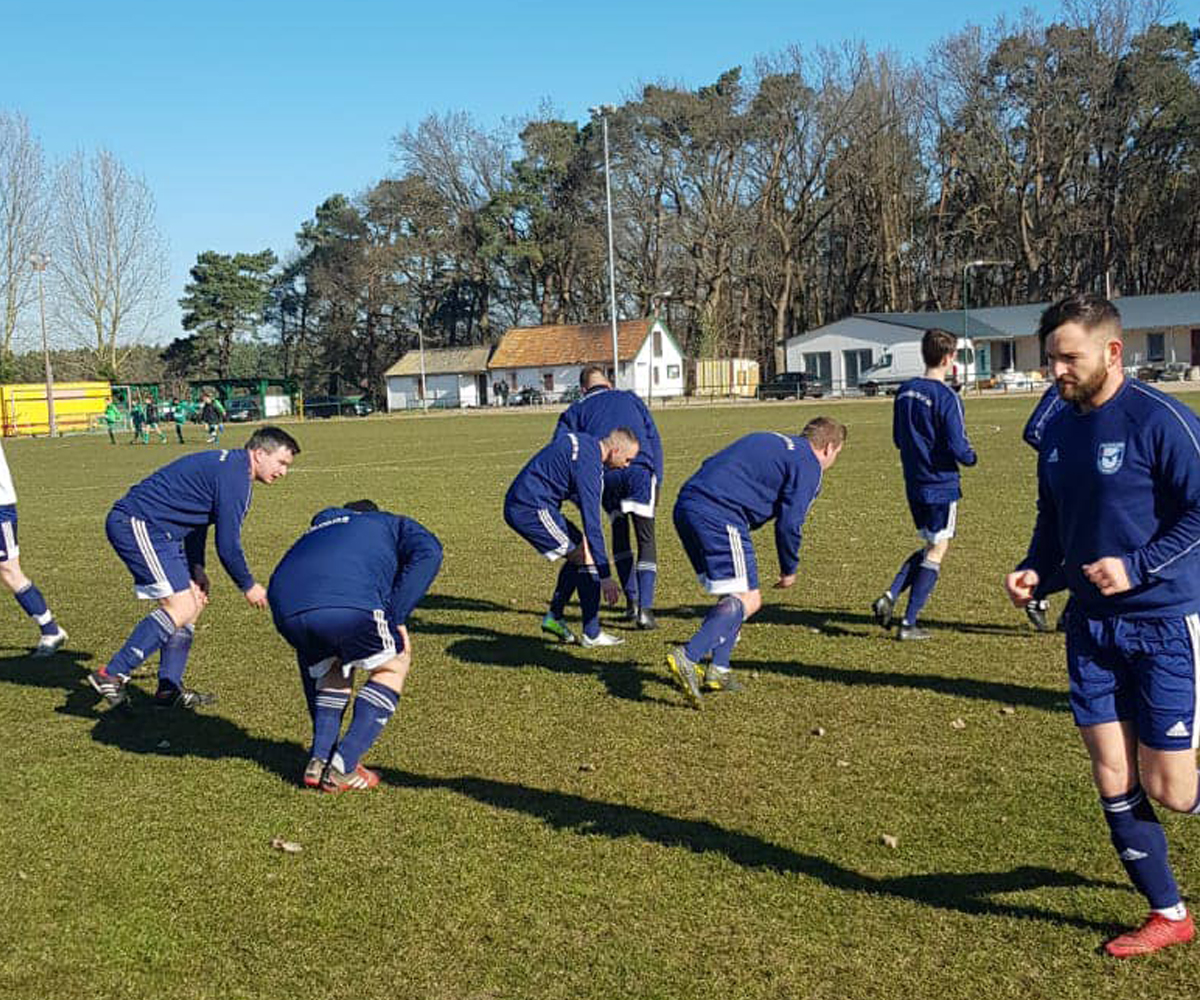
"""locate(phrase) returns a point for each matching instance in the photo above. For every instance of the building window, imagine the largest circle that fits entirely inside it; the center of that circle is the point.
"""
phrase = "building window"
(672, 371)
(512, 379)
(1005, 358)
(819, 364)
(548, 381)
(855, 362)
(656, 374)
(657, 341)
(1155, 347)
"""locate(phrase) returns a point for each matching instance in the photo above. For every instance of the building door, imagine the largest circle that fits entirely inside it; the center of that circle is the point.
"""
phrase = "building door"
(855, 362)
(1196, 347)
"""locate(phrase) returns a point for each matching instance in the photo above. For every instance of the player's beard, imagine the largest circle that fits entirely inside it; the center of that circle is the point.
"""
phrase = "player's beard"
(1081, 391)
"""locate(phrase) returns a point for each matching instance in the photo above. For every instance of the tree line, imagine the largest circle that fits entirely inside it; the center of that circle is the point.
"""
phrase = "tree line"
(816, 184)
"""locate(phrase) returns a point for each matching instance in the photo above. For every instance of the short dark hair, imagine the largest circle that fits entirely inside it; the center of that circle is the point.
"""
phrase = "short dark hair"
(822, 431)
(935, 345)
(622, 436)
(587, 374)
(271, 439)
(1088, 309)
(362, 506)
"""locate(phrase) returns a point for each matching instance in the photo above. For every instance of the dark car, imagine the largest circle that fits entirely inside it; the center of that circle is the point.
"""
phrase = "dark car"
(242, 409)
(790, 385)
(336, 406)
(529, 396)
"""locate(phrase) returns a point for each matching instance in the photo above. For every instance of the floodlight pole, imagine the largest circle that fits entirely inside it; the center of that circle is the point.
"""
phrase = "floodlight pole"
(40, 261)
(421, 350)
(603, 111)
(967, 267)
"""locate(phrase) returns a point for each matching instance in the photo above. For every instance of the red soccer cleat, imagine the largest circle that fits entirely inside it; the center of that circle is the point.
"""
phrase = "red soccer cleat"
(335, 781)
(1156, 933)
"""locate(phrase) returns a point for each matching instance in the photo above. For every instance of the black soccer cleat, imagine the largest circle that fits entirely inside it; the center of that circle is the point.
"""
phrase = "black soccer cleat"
(882, 610)
(645, 620)
(112, 688)
(184, 698)
(912, 633)
(1038, 614)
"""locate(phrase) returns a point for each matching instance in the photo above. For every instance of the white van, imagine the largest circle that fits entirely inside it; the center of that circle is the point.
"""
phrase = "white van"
(902, 361)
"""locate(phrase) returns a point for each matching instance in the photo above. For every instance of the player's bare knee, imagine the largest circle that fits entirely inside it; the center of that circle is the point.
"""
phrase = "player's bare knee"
(751, 602)
(936, 551)
(11, 575)
(334, 679)
(392, 674)
(183, 608)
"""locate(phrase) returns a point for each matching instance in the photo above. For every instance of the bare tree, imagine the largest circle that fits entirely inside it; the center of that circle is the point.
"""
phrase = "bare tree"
(23, 206)
(110, 260)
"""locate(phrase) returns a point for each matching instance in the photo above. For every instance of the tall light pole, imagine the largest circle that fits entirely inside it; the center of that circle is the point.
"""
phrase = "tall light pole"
(602, 111)
(967, 267)
(421, 348)
(40, 262)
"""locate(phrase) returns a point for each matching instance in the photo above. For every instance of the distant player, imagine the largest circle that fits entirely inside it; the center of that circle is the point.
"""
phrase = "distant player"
(151, 423)
(757, 478)
(1119, 513)
(137, 416)
(1038, 609)
(929, 430)
(159, 530)
(28, 596)
(341, 597)
(179, 414)
(212, 417)
(571, 467)
(112, 417)
(601, 410)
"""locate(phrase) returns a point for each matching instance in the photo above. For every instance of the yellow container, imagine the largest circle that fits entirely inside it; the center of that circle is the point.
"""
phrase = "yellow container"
(727, 377)
(77, 407)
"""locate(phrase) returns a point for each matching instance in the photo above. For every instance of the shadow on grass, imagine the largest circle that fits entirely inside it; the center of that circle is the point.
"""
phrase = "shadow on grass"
(139, 727)
(964, 892)
(959, 687)
(834, 621)
(64, 669)
(621, 678)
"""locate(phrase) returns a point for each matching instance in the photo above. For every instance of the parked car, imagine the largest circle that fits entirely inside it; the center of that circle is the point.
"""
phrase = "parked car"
(243, 408)
(1160, 371)
(790, 385)
(336, 406)
(902, 361)
(529, 396)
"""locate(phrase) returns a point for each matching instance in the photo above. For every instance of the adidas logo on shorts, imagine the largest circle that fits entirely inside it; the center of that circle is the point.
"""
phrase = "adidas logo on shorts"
(1179, 729)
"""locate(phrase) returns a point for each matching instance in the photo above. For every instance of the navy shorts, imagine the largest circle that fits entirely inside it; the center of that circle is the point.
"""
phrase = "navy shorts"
(719, 549)
(632, 490)
(8, 532)
(153, 555)
(935, 521)
(352, 637)
(1141, 670)
(544, 528)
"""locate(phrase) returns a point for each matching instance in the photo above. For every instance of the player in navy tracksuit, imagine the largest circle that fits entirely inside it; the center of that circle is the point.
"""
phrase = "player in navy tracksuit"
(1119, 512)
(741, 488)
(571, 467)
(341, 596)
(1050, 403)
(159, 530)
(928, 428)
(602, 409)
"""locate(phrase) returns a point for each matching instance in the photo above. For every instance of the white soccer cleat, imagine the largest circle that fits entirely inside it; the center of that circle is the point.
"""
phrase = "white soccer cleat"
(48, 645)
(603, 639)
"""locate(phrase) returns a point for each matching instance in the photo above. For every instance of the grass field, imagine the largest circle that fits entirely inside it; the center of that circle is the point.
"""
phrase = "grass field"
(555, 822)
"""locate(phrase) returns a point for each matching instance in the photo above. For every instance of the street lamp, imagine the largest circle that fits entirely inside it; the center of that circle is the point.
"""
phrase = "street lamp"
(40, 261)
(602, 111)
(966, 268)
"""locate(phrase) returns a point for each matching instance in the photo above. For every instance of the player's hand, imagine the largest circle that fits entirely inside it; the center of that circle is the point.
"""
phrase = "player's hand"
(1020, 584)
(403, 633)
(785, 581)
(201, 580)
(199, 595)
(257, 596)
(1108, 575)
(611, 590)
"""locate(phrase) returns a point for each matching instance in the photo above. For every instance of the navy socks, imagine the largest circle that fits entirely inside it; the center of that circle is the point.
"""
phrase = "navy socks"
(717, 631)
(373, 707)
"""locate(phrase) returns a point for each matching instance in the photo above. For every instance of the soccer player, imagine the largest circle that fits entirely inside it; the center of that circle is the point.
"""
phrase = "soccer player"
(757, 478)
(112, 417)
(159, 530)
(179, 413)
(28, 596)
(1119, 511)
(601, 409)
(137, 416)
(212, 417)
(928, 428)
(1037, 610)
(151, 423)
(341, 597)
(571, 467)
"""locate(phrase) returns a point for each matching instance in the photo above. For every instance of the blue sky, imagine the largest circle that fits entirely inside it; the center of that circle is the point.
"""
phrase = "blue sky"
(244, 116)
